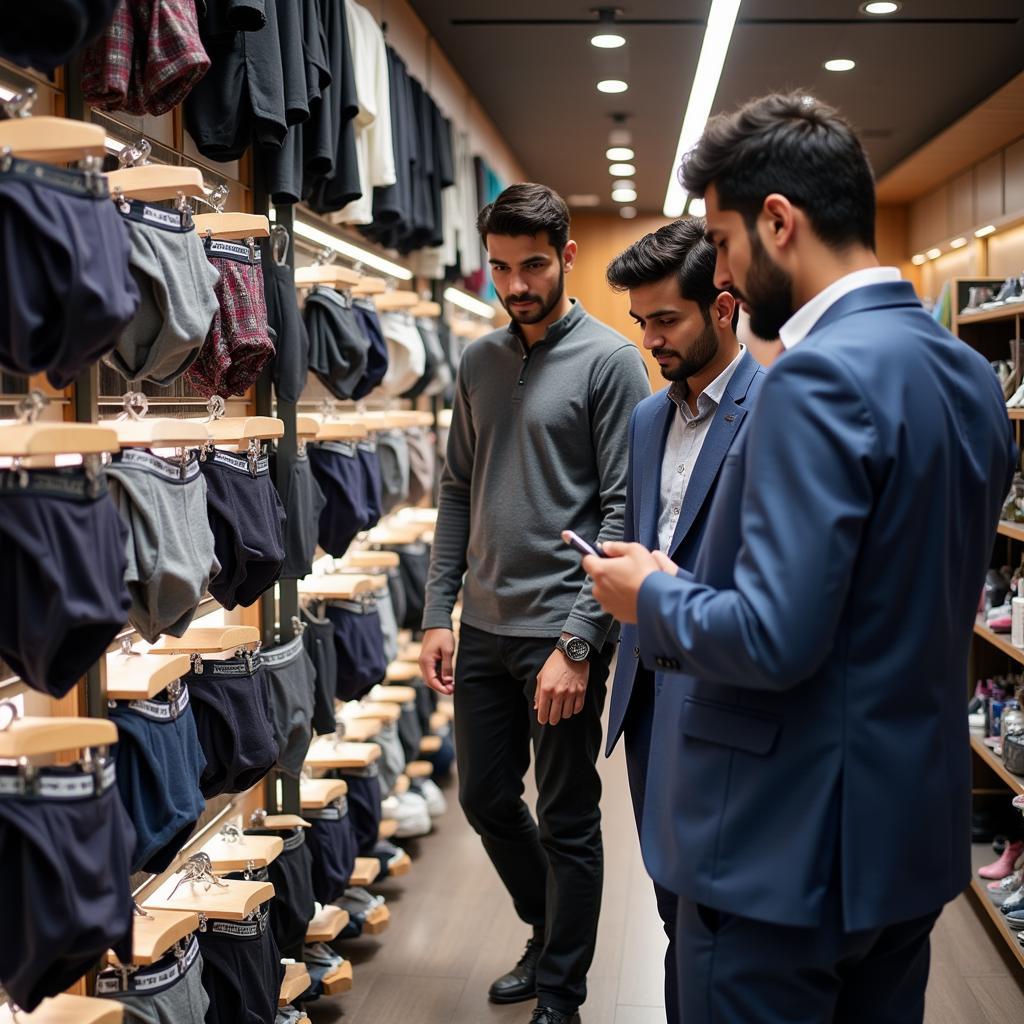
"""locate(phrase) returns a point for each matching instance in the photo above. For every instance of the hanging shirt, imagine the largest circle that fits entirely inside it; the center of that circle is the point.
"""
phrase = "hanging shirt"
(686, 436)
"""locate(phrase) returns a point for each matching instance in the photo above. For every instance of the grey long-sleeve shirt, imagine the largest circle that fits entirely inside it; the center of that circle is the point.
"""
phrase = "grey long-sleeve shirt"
(539, 443)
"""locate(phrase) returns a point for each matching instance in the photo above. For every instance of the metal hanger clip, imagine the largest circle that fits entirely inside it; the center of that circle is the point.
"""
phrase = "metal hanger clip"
(198, 869)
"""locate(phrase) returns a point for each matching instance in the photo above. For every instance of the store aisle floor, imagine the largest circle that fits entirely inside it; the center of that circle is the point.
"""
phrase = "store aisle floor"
(453, 931)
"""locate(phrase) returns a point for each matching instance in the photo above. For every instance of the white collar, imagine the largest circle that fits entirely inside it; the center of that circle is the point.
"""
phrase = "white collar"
(715, 391)
(799, 325)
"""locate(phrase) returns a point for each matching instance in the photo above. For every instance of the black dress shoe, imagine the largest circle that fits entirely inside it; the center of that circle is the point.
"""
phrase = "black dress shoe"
(549, 1015)
(521, 982)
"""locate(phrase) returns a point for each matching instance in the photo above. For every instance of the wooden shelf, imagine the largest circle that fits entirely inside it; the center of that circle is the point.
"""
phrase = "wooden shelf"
(1015, 414)
(988, 316)
(327, 924)
(999, 640)
(981, 854)
(1015, 531)
(1015, 782)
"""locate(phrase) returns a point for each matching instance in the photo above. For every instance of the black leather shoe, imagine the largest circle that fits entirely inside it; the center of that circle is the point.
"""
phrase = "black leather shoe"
(521, 982)
(549, 1015)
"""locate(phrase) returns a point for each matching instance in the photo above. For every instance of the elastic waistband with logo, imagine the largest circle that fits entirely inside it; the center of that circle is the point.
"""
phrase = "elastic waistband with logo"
(160, 710)
(293, 838)
(178, 221)
(250, 929)
(87, 184)
(173, 470)
(241, 252)
(73, 482)
(346, 448)
(369, 771)
(334, 811)
(239, 463)
(246, 665)
(279, 656)
(167, 971)
(58, 783)
(366, 606)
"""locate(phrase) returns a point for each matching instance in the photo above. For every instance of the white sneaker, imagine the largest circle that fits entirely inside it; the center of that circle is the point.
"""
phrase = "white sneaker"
(431, 792)
(1016, 400)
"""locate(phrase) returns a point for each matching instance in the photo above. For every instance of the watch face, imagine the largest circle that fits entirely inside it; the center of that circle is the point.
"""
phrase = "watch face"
(577, 649)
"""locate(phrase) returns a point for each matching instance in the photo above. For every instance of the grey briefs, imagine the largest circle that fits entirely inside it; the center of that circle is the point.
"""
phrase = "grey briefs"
(292, 681)
(170, 551)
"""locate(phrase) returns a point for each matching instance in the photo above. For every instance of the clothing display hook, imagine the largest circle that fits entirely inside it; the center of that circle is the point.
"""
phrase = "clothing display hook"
(135, 155)
(198, 868)
(232, 833)
(325, 257)
(216, 407)
(138, 911)
(258, 818)
(280, 241)
(20, 104)
(215, 198)
(135, 405)
(10, 709)
(31, 406)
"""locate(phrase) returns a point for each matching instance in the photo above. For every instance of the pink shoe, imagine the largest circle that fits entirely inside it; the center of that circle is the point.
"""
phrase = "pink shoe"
(1010, 860)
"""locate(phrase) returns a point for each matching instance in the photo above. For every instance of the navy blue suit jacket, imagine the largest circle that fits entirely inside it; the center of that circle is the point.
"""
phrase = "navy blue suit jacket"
(814, 742)
(648, 429)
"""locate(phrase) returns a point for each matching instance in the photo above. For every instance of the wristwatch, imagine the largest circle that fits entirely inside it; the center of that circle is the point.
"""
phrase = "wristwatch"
(574, 648)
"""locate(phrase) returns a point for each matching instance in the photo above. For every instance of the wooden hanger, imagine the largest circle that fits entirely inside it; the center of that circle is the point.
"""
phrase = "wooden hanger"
(255, 851)
(33, 736)
(359, 730)
(53, 140)
(427, 309)
(419, 769)
(393, 694)
(24, 440)
(430, 744)
(208, 640)
(366, 871)
(401, 533)
(388, 301)
(235, 900)
(65, 1009)
(444, 419)
(316, 793)
(338, 586)
(402, 672)
(339, 980)
(339, 428)
(152, 936)
(285, 821)
(371, 559)
(369, 285)
(386, 711)
(339, 277)
(141, 676)
(425, 516)
(296, 981)
(156, 181)
(376, 921)
(327, 752)
(236, 226)
(327, 923)
(388, 827)
(236, 429)
(398, 418)
(159, 432)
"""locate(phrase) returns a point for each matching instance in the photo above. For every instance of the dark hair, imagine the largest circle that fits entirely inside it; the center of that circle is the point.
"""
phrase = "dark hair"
(526, 209)
(681, 249)
(794, 145)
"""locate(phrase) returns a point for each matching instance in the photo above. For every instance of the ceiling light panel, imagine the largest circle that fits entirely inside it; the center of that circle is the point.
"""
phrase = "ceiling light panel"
(619, 153)
(622, 170)
(608, 42)
(612, 85)
(624, 195)
(880, 7)
(839, 64)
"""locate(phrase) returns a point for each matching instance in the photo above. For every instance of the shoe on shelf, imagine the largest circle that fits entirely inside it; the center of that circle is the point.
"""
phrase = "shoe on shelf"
(1006, 885)
(520, 983)
(975, 297)
(1010, 288)
(549, 1015)
(1010, 859)
(1015, 400)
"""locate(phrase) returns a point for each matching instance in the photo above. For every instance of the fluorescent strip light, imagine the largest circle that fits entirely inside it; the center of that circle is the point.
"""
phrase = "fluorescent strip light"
(933, 254)
(622, 170)
(988, 229)
(470, 303)
(919, 259)
(713, 51)
(958, 243)
(839, 64)
(619, 153)
(352, 252)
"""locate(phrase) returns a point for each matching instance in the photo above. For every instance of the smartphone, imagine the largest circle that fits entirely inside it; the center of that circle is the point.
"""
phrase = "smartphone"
(574, 540)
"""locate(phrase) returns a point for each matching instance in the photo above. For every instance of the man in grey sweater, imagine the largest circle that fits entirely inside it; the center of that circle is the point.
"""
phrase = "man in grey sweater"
(538, 444)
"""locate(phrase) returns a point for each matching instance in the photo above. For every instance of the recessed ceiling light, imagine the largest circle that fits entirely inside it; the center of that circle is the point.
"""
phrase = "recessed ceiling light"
(880, 7)
(696, 207)
(918, 259)
(988, 229)
(588, 199)
(619, 153)
(624, 195)
(627, 212)
(840, 64)
(622, 170)
(623, 183)
(608, 42)
(612, 85)
(958, 243)
(933, 254)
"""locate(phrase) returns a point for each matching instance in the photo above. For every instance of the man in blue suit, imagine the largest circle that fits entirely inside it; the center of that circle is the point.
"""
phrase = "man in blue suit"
(812, 802)
(678, 439)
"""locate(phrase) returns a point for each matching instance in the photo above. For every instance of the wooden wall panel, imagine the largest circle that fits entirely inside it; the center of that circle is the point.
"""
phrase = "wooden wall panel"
(1013, 177)
(1006, 253)
(935, 273)
(929, 219)
(988, 189)
(961, 204)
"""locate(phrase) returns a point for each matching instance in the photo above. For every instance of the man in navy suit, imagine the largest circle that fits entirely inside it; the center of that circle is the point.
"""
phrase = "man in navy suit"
(678, 439)
(812, 802)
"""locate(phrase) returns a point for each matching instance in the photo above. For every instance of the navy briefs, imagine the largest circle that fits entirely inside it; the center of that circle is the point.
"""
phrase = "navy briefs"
(332, 841)
(364, 797)
(303, 504)
(66, 292)
(377, 355)
(62, 596)
(242, 970)
(340, 474)
(318, 639)
(167, 992)
(413, 565)
(65, 846)
(359, 647)
(410, 731)
(291, 874)
(159, 765)
(290, 674)
(231, 704)
(370, 462)
(247, 519)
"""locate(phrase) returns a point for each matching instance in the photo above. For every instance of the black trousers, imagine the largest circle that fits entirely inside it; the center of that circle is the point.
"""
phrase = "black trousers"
(733, 970)
(637, 737)
(553, 868)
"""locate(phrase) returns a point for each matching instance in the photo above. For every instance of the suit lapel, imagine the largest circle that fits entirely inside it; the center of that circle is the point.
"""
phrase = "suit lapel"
(650, 479)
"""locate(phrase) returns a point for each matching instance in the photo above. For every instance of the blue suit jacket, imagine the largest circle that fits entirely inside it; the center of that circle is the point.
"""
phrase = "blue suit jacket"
(814, 743)
(648, 429)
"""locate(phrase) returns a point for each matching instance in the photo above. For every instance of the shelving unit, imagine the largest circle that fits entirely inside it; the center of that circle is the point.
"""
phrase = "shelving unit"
(999, 641)
(987, 756)
(1015, 531)
(981, 854)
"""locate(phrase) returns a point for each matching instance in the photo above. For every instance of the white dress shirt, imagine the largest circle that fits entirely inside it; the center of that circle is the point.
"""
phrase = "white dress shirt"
(686, 436)
(799, 325)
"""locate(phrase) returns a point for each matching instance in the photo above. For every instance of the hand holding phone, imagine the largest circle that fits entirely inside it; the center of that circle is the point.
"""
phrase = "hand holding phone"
(574, 540)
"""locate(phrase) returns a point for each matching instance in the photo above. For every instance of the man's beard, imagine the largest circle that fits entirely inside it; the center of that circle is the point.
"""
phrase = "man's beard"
(699, 354)
(769, 293)
(546, 305)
